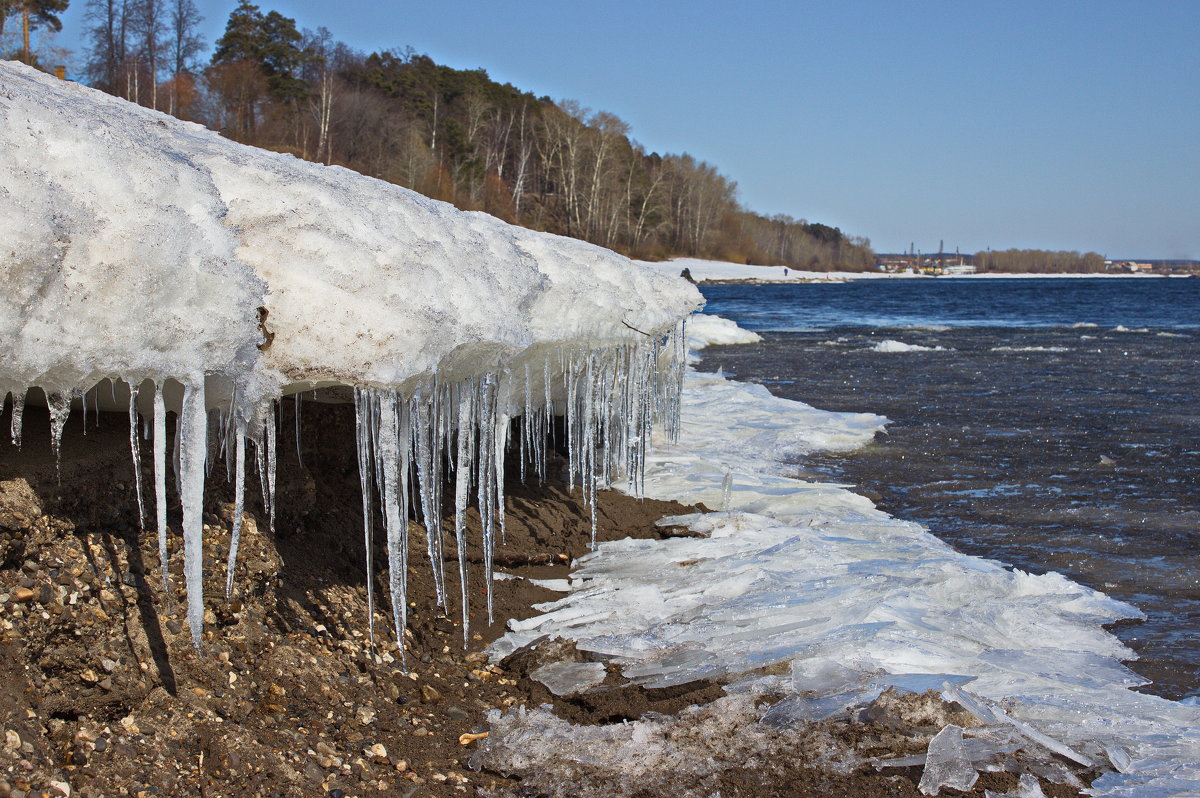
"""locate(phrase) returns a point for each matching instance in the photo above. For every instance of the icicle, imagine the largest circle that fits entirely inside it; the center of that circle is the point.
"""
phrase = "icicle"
(500, 442)
(486, 472)
(60, 410)
(727, 491)
(364, 410)
(423, 414)
(547, 431)
(525, 419)
(396, 523)
(160, 484)
(462, 487)
(83, 401)
(588, 476)
(96, 404)
(398, 562)
(299, 456)
(136, 451)
(269, 496)
(192, 433)
(18, 411)
(260, 464)
(503, 425)
(175, 462)
(239, 503)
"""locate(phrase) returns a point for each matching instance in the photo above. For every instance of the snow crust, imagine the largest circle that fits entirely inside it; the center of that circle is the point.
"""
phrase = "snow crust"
(142, 246)
(707, 330)
(814, 575)
(194, 274)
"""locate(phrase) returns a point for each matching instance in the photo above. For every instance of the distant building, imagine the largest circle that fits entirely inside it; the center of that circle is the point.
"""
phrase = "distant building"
(1133, 267)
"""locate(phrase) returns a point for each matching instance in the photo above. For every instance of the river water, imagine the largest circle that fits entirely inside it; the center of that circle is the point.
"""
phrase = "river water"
(1052, 424)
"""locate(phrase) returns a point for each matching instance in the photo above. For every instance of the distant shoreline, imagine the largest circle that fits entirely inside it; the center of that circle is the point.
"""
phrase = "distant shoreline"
(719, 272)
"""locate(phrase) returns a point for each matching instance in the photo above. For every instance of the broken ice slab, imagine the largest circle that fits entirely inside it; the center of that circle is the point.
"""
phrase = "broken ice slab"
(979, 751)
(994, 714)
(569, 678)
(920, 682)
(796, 710)
(557, 585)
(946, 763)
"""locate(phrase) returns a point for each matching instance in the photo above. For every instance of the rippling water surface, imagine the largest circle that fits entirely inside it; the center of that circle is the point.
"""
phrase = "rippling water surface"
(1053, 424)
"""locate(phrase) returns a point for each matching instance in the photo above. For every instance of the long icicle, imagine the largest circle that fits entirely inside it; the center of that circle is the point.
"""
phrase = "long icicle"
(364, 408)
(18, 410)
(296, 408)
(239, 502)
(462, 487)
(397, 527)
(193, 437)
(135, 451)
(160, 485)
(271, 439)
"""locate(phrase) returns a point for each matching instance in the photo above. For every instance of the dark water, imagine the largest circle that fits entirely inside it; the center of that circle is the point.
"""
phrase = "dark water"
(1026, 438)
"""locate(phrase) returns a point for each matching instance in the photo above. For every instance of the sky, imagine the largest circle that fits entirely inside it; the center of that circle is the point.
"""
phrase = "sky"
(990, 123)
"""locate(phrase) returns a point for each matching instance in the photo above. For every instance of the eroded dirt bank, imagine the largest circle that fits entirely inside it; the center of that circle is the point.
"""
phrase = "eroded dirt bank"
(103, 694)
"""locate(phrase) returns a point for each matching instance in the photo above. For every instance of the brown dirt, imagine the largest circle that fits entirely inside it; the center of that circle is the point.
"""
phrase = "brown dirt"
(102, 693)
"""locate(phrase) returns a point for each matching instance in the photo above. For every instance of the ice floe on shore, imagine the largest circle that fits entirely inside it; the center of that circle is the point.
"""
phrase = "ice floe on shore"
(813, 577)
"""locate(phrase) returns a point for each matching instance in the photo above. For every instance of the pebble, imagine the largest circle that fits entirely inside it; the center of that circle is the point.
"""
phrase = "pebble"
(429, 694)
(455, 713)
(22, 595)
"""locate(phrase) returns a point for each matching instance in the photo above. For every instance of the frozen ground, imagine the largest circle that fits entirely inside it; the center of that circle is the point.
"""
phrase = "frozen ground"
(813, 575)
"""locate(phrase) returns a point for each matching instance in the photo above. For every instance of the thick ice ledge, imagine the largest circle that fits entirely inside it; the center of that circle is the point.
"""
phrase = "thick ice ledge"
(188, 273)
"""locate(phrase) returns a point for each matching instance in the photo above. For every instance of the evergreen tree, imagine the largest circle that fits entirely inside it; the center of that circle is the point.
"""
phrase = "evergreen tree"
(33, 14)
(270, 42)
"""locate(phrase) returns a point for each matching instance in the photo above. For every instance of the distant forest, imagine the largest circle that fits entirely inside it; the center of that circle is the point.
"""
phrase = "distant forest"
(1019, 261)
(455, 135)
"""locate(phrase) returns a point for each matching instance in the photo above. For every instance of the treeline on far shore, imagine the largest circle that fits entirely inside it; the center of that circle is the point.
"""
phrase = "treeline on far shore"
(1042, 261)
(455, 135)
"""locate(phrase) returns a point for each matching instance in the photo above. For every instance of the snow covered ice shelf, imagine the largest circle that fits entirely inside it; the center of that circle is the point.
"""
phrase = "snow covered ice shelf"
(814, 575)
(189, 273)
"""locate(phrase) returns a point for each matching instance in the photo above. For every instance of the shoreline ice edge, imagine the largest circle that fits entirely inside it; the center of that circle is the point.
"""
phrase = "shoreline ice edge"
(814, 574)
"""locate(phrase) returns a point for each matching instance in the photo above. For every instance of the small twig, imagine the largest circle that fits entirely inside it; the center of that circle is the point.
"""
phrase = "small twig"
(635, 329)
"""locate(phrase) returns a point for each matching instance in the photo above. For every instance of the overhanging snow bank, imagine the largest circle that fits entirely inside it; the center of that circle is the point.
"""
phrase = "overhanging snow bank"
(141, 249)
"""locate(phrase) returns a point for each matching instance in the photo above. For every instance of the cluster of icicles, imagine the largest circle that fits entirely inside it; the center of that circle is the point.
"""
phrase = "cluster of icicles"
(411, 445)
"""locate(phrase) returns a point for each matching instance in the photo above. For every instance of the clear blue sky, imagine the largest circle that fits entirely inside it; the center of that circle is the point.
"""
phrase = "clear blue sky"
(990, 123)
